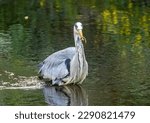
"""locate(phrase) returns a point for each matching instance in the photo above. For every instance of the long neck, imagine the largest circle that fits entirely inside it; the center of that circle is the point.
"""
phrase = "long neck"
(79, 58)
(78, 43)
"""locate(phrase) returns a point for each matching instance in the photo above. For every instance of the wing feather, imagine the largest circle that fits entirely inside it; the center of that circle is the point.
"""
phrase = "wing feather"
(54, 66)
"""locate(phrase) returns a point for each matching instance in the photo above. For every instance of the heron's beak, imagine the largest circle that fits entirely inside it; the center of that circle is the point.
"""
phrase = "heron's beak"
(81, 35)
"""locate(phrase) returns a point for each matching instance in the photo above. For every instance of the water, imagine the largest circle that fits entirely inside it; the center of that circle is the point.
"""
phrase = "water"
(118, 51)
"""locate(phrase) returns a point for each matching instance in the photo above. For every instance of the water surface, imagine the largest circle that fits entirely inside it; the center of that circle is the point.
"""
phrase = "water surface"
(118, 51)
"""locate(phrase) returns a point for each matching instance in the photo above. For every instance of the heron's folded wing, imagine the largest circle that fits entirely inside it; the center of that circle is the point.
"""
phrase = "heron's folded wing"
(55, 64)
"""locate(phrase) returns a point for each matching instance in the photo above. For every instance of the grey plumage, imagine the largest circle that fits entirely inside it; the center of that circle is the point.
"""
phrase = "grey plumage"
(68, 65)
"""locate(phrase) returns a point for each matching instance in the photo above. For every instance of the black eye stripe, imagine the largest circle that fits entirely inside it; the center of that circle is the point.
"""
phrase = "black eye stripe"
(76, 26)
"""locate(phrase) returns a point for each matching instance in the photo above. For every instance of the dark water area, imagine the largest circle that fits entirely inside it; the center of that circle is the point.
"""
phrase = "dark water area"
(117, 51)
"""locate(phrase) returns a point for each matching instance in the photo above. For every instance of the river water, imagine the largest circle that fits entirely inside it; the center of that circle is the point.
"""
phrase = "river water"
(117, 51)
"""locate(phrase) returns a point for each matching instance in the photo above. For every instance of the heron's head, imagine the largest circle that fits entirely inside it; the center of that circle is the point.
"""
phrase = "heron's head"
(78, 31)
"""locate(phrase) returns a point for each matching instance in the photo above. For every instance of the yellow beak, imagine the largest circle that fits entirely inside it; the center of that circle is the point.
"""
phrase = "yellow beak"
(81, 36)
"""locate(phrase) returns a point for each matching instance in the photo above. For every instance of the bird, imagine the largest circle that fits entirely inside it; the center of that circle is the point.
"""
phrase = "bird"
(67, 66)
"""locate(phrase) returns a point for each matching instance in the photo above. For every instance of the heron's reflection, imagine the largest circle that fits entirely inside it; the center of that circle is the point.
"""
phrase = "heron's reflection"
(69, 95)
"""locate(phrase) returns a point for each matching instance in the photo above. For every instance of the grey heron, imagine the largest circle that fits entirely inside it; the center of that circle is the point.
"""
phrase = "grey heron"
(68, 65)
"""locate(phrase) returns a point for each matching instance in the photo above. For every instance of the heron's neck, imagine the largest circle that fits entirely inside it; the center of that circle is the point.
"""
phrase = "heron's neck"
(78, 42)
